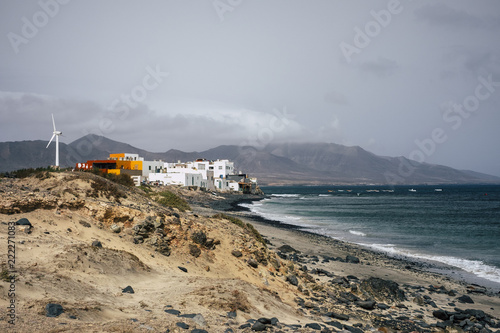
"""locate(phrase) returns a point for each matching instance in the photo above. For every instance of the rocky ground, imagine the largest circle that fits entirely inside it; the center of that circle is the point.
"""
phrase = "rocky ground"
(94, 256)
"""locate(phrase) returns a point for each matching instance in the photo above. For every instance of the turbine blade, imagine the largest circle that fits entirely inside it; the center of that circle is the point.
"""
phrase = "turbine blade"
(53, 122)
(52, 138)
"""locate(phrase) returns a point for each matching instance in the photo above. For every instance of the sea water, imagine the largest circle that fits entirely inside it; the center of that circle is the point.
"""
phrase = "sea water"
(457, 225)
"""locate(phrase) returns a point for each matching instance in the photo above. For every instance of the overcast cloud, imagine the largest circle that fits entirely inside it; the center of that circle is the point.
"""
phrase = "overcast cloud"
(192, 75)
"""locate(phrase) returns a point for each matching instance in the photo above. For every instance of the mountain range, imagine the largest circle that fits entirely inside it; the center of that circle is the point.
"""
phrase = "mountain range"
(284, 163)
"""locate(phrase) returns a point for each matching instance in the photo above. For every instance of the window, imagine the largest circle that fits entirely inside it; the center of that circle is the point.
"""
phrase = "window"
(220, 167)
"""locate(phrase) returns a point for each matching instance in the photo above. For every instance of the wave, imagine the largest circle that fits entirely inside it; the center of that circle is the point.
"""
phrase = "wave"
(324, 195)
(357, 233)
(285, 195)
(475, 267)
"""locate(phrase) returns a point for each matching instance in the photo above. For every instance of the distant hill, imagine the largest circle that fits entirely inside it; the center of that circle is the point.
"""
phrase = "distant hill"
(288, 163)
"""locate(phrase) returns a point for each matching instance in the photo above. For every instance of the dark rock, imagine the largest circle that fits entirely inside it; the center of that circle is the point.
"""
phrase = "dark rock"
(287, 249)
(53, 310)
(274, 321)
(314, 326)
(338, 316)
(182, 325)
(440, 314)
(444, 324)
(253, 263)
(352, 277)
(96, 243)
(188, 315)
(236, 253)
(465, 299)
(231, 314)
(352, 259)
(265, 321)
(72, 317)
(382, 306)
(85, 224)
(182, 269)
(478, 314)
(173, 312)
(138, 240)
(353, 329)
(335, 324)
(383, 290)
(199, 237)
(293, 280)
(24, 221)
(197, 330)
(128, 290)
(320, 271)
(258, 326)
(194, 250)
(367, 305)
(247, 325)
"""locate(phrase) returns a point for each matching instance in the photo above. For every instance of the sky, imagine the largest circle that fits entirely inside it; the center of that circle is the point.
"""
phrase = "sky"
(419, 79)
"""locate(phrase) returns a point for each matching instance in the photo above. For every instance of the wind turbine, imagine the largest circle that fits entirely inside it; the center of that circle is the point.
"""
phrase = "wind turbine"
(55, 134)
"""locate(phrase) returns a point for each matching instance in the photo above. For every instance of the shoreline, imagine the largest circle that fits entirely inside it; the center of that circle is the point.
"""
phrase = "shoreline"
(231, 205)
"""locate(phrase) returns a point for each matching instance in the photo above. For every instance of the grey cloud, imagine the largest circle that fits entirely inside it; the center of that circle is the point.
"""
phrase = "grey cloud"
(439, 14)
(381, 67)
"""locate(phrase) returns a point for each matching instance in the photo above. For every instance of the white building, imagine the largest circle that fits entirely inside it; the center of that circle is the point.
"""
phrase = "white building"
(202, 173)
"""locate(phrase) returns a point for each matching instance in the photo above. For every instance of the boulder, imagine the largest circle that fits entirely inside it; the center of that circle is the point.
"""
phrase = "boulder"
(287, 249)
(383, 290)
(352, 259)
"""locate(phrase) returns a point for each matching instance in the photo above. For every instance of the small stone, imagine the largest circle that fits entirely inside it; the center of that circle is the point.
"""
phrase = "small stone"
(352, 259)
(253, 263)
(465, 299)
(440, 314)
(116, 228)
(236, 253)
(53, 310)
(24, 221)
(199, 320)
(182, 269)
(173, 312)
(128, 290)
(367, 305)
(259, 327)
(96, 243)
(182, 325)
(292, 279)
(314, 326)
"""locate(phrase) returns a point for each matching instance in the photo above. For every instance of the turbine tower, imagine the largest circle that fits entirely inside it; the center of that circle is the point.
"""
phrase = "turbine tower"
(55, 134)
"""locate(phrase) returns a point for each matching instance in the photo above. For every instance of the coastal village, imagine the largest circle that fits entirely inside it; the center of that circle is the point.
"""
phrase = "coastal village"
(219, 175)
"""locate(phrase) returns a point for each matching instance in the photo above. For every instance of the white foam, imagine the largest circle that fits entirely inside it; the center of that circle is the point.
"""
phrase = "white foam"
(357, 233)
(285, 195)
(475, 267)
(324, 195)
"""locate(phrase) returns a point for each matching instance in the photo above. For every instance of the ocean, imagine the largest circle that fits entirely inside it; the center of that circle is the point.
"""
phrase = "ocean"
(456, 225)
